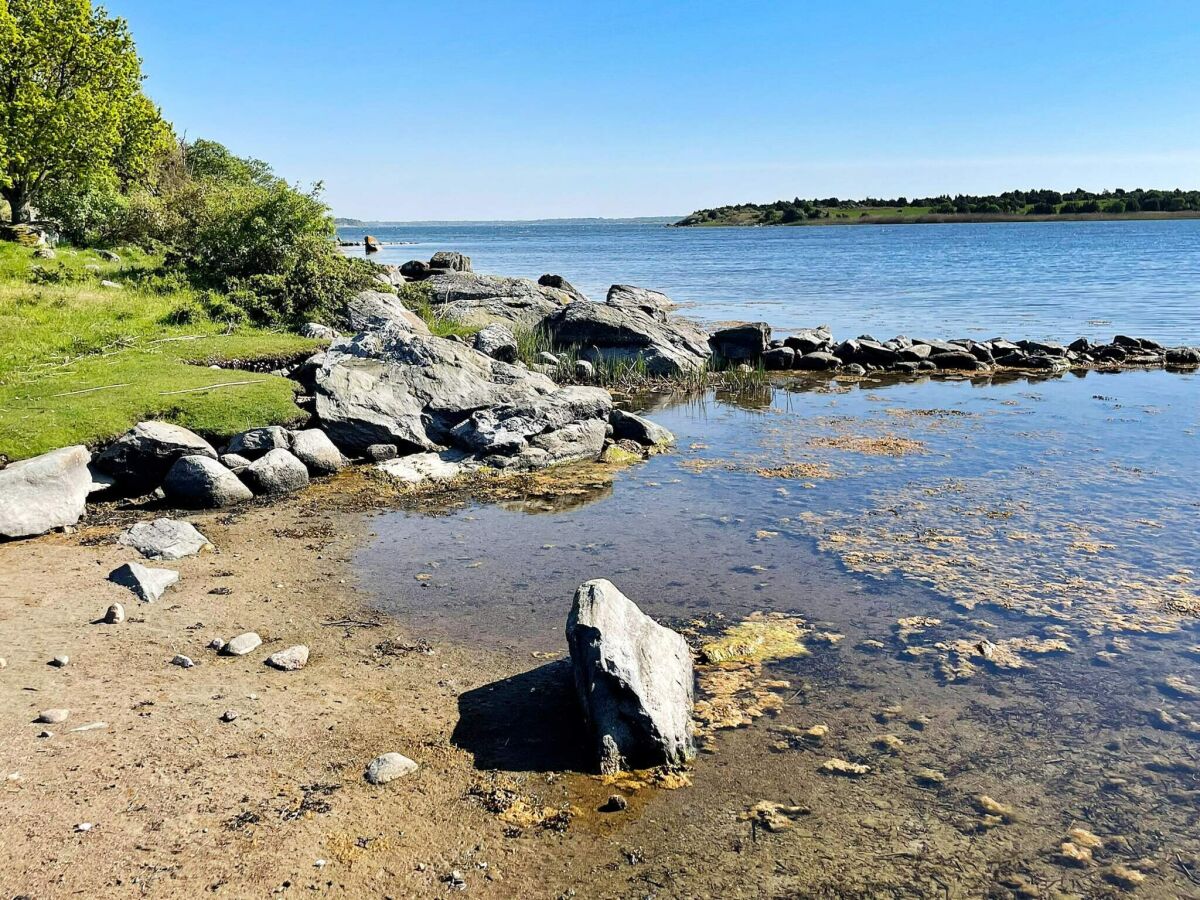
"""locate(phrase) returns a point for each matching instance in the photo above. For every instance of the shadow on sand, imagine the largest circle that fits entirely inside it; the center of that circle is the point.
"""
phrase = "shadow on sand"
(527, 723)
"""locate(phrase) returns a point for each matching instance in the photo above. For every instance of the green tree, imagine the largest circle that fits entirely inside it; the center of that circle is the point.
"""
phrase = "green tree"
(73, 117)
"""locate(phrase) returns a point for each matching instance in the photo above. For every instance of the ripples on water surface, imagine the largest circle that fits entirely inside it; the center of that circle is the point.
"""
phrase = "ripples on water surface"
(1039, 539)
(1054, 280)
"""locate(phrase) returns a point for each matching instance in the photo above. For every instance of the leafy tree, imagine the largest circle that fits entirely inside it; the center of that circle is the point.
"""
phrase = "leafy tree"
(73, 117)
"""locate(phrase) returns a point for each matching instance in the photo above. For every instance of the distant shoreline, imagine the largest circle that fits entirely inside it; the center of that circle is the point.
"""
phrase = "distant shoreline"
(951, 218)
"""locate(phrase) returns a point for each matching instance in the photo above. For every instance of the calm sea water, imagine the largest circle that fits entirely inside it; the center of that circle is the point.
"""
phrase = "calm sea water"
(1038, 280)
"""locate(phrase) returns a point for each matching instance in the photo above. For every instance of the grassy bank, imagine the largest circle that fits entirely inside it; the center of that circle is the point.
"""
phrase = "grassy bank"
(81, 363)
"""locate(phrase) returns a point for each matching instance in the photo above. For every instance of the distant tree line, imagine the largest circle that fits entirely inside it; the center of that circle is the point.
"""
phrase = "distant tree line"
(1033, 202)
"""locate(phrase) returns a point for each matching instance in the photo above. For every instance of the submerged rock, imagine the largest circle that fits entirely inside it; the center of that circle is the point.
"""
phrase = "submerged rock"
(141, 458)
(164, 539)
(634, 680)
(45, 492)
(201, 481)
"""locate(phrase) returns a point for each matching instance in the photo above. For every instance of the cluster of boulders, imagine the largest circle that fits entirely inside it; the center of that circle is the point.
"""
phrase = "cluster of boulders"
(816, 350)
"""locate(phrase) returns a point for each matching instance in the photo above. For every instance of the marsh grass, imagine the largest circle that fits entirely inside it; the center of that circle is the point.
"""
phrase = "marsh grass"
(81, 363)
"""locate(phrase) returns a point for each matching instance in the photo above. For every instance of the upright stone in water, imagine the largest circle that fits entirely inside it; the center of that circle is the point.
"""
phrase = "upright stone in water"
(370, 244)
(141, 457)
(47, 491)
(632, 427)
(279, 472)
(634, 680)
(148, 584)
(314, 448)
(741, 343)
(198, 481)
(164, 539)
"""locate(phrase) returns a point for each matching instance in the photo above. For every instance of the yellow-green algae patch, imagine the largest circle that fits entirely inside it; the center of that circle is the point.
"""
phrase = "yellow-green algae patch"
(762, 636)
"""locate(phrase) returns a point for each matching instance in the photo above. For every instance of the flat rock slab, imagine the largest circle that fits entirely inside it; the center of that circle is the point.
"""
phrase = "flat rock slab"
(389, 767)
(45, 492)
(164, 539)
(290, 660)
(148, 584)
(420, 467)
(242, 644)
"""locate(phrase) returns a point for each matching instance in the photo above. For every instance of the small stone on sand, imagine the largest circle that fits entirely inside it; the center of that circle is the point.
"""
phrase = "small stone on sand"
(842, 767)
(52, 716)
(290, 660)
(242, 644)
(114, 615)
(389, 767)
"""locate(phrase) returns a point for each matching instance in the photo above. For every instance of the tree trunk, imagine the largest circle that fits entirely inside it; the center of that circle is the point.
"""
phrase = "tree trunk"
(17, 197)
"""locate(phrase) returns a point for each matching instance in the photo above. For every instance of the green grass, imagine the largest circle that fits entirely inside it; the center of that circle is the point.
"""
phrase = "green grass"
(80, 363)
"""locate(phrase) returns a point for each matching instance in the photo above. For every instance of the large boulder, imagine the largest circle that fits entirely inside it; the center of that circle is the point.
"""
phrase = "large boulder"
(741, 343)
(148, 584)
(318, 453)
(449, 259)
(279, 472)
(428, 393)
(198, 481)
(373, 309)
(141, 457)
(47, 491)
(622, 330)
(634, 680)
(258, 442)
(477, 300)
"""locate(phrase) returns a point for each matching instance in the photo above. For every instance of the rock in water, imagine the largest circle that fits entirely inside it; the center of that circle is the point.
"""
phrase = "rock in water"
(164, 539)
(314, 448)
(389, 767)
(741, 343)
(279, 472)
(141, 457)
(634, 680)
(47, 491)
(632, 427)
(290, 660)
(198, 481)
(148, 584)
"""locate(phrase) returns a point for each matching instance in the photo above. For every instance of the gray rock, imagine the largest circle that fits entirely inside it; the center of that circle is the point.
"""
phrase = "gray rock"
(184, 662)
(549, 359)
(111, 285)
(497, 341)
(60, 662)
(314, 448)
(818, 361)
(915, 353)
(807, 342)
(290, 660)
(634, 680)
(620, 331)
(230, 715)
(958, 360)
(381, 452)
(114, 615)
(426, 393)
(477, 300)
(854, 369)
(449, 259)
(559, 283)
(53, 716)
(1183, 356)
(779, 358)
(279, 472)
(415, 270)
(653, 303)
(101, 481)
(389, 767)
(257, 442)
(44, 253)
(164, 539)
(584, 370)
(108, 256)
(45, 492)
(632, 427)
(141, 457)
(198, 481)
(375, 309)
(235, 462)
(242, 644)
(740, 343)
(146, 583)
(319, 332)
(1043, 348)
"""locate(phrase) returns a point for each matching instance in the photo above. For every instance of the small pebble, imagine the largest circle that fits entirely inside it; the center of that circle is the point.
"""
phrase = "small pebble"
(114, 615)
(184, 662)
(3, 662)
(53, 716)
(84, 826)
(216, 644)
(59, 661)
(45, 734)
(229, 715)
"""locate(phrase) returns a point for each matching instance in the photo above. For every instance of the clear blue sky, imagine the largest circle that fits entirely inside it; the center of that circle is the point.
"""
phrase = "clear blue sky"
(415, 110)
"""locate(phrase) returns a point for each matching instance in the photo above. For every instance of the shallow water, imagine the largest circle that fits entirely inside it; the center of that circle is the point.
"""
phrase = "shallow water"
(1051, 280)
(1046, 526)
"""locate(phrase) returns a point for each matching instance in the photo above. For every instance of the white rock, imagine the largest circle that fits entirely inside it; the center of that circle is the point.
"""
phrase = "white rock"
(45, 492)
(60, 662)
(420, 467)
(148, 584)
(184, 662)
(164, 539)
(53, 716)
(114, 615)
(289, 660)
(389, 767)
(242, 644)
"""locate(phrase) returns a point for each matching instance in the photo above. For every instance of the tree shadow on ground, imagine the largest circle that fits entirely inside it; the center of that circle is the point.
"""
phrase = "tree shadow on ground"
(527, 723)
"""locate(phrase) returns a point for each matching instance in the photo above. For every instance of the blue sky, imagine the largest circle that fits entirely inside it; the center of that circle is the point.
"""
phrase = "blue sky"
(452, 110)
